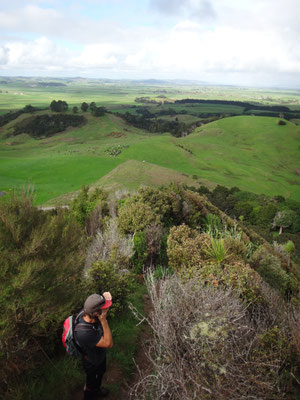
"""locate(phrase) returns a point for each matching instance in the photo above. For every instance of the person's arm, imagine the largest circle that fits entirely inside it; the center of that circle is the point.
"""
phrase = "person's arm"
(106, 341)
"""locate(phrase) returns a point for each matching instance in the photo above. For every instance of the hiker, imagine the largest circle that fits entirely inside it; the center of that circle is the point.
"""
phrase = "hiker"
(94, 340)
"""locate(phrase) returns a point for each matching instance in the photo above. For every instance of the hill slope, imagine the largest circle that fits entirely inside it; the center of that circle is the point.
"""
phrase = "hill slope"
(253, 153)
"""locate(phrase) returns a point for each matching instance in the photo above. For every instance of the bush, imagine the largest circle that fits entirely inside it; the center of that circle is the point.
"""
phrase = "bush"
(205, 346)
(269, 268)
(213, 225)
(107, 276)
(89, 209)
(108, 242)
(40, 280)
(135, 215)
(186, 248)
(236, 249)
(140, 252)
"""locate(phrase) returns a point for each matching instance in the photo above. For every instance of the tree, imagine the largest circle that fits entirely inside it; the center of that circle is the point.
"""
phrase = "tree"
(75, 110)
(98, 111)
(92, 105)
(84, 106)
(29, 108)
(59, 106)
(284, 219)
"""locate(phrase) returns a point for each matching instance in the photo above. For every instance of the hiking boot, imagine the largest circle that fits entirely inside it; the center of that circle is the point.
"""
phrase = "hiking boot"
(103, 392)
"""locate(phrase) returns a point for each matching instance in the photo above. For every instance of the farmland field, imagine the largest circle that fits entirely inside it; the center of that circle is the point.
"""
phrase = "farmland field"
(253, 153)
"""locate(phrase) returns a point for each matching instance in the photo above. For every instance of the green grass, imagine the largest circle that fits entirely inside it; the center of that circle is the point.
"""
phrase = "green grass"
(250, 152)
(253, 153)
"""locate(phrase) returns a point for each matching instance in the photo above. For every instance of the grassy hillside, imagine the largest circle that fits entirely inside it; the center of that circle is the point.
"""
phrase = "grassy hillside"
(130, 175)
(253, 153)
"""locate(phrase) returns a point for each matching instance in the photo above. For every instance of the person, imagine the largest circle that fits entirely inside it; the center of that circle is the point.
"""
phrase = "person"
(94, 340)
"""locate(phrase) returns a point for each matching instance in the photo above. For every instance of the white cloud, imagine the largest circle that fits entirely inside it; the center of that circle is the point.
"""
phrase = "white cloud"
(4, 54)
(97, 56)
(203, 38)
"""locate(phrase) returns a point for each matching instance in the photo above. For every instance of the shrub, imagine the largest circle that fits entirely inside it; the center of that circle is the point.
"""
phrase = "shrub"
(204, 346)
(107, 242)
(140, 252)
(135, 215)
(186, 248)
(154, 234)
(107, 276)
(236, 249)
(40, 280)
(217, 251)
(90, 208)
(213, 225)
(269, 268)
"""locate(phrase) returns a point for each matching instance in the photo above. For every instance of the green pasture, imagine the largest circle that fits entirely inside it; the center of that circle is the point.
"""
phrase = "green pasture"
(114, 95)
(253, 153)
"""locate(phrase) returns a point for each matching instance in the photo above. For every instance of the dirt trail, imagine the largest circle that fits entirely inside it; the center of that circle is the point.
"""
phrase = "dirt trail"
(114, 375)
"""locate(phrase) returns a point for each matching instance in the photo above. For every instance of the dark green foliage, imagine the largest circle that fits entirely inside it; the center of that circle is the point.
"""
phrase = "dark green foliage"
(6, 118)
(147, 121)
(75, 110)
(59, 106)
(84, 106)
(98, 111)
(39, 280)
(140, 252)
(92, 105)
(29, 109)
(263, 216)
(243, 208)
(47, 125)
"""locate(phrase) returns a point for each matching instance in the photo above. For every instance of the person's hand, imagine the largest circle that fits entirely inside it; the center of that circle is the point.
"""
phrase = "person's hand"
(102, 316)
(107, 296)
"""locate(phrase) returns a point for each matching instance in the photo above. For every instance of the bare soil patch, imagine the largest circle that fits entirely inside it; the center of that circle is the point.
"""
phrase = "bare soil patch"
(116, 135)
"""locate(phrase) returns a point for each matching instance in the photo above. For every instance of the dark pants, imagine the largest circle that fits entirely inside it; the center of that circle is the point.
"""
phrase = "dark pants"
(94, 376)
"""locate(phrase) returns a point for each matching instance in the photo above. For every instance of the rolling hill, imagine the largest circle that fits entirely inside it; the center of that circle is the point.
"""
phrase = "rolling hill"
(253, 153)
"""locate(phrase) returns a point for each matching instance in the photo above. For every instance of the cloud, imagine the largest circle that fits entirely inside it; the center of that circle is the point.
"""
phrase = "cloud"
(184, 39)
(4, 54)
(40, 53)
(193, 9)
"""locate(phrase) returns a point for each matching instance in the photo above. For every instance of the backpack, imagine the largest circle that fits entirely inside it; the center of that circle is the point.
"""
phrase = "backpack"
(68, 338)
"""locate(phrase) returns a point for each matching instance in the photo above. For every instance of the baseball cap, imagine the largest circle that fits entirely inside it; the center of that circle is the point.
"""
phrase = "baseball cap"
(96, 302)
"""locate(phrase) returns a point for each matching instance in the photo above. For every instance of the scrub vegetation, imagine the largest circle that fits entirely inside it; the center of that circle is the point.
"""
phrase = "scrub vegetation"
(212, 235)
(226, 306)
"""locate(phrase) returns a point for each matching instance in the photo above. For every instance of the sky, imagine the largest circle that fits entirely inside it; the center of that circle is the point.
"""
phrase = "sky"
(239, 42)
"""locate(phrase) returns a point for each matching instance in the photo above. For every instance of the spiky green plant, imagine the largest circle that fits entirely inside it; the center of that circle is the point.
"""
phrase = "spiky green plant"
(217, 251)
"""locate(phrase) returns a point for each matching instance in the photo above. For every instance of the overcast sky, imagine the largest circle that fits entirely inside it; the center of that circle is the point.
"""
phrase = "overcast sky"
(245, 42)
